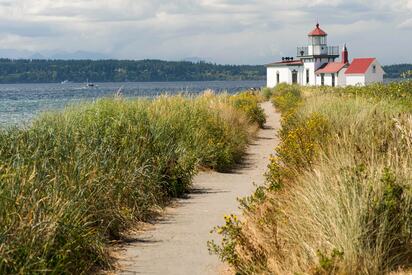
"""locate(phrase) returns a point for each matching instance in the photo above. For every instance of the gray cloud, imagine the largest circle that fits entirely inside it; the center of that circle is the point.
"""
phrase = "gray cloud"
(224, 31)
(28, 29)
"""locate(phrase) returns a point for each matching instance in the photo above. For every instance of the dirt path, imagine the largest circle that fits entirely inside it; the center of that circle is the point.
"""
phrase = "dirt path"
(177, 243)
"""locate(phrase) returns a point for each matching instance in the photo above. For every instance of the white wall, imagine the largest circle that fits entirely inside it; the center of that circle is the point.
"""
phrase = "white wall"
(377, 77)
(341, 77)
(328, 80)
(355, 79)
(317, 50)
(311, 67)
(285, 75)
(301, 75)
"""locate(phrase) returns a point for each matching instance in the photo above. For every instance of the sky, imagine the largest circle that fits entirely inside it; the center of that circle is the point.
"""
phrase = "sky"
(221, 31)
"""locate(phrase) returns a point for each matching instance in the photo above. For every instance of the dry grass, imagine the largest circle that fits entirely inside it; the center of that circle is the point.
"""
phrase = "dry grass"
(339, 196)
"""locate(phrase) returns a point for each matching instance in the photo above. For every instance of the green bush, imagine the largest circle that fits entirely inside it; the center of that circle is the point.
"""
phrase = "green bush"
(248, 102)
(286, 97)
(267, 93)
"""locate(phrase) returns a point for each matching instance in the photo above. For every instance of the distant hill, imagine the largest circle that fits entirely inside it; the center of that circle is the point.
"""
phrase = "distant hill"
(50, 71)
(395, 71)
(46, 71)
(79, 55)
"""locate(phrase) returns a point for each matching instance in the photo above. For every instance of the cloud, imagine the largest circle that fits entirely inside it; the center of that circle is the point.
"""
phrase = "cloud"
(407, 24)
(225, 31)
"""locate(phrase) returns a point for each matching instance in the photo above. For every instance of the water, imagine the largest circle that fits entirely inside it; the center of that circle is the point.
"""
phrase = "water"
(390, 80)
(20, 103)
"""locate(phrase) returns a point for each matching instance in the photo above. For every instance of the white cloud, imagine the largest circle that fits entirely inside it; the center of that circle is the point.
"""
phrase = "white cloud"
(226, 31)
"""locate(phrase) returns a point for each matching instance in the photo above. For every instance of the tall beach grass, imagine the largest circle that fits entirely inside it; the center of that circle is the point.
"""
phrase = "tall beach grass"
(77, 179)
(338, 198)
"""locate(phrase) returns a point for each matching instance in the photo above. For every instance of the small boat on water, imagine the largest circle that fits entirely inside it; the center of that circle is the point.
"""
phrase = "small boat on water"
(119, 92)
(65, 82)
(90, 84)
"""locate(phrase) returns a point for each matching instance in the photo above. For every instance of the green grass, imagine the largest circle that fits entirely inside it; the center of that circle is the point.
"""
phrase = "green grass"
(77, 179)
(338, 198)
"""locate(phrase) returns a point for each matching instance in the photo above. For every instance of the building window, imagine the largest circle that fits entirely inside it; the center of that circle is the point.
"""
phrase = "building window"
(333, 80)
(294, 77)
(307, 76)
(277, 77)
(374, 69)
(322, 79)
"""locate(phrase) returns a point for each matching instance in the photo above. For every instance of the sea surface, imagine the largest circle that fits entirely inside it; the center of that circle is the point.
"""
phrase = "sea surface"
(20, 103)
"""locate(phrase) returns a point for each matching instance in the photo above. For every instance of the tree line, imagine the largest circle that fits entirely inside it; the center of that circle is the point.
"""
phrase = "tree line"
(49, 71)
(397, 71)
(46, 71)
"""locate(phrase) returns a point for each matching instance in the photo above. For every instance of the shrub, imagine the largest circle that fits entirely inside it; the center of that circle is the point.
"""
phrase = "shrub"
(248, 102)
(286, 97)
(267, 93)
(298, 149)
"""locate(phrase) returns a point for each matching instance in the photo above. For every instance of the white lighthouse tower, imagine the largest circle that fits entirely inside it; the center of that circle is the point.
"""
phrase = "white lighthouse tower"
(316, 54)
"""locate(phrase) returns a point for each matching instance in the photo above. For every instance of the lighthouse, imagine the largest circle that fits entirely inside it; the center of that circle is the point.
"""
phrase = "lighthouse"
(315, 65)
(316, 54)
(317, 42)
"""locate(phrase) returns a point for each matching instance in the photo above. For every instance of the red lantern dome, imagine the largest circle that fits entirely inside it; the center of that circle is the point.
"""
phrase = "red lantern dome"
(318, 31)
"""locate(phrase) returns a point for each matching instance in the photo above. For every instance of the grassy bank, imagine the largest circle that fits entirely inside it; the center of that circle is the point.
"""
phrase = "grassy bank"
(76, 179)
(338, 198)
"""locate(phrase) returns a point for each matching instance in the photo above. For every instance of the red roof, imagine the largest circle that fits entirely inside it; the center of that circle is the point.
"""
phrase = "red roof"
(330, 68)
(360, 65)
(318, 31)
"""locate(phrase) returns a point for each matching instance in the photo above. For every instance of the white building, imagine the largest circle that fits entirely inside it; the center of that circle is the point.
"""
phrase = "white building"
(364, 71)
(316, 65)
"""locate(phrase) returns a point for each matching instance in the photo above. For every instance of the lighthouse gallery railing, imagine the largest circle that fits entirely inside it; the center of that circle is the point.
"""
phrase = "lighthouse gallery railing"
(304, 51)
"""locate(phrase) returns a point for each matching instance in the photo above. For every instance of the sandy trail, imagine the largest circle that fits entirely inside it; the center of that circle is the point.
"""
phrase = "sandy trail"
(177, 244)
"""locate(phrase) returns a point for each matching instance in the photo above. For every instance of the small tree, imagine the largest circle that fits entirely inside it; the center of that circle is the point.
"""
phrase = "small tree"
(407, 74)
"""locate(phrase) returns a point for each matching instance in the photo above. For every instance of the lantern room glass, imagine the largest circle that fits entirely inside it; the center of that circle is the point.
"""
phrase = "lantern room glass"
(317, 40)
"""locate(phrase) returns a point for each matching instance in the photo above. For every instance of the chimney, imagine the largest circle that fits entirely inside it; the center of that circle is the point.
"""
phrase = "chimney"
(345, 55)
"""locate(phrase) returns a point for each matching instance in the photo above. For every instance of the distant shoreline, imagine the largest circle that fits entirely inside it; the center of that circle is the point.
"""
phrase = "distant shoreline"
(125, 82)
(106, 71)
(56, 71)
(386, 80)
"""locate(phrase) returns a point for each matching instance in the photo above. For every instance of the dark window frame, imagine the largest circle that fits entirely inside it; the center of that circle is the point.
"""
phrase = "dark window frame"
(295, 77)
